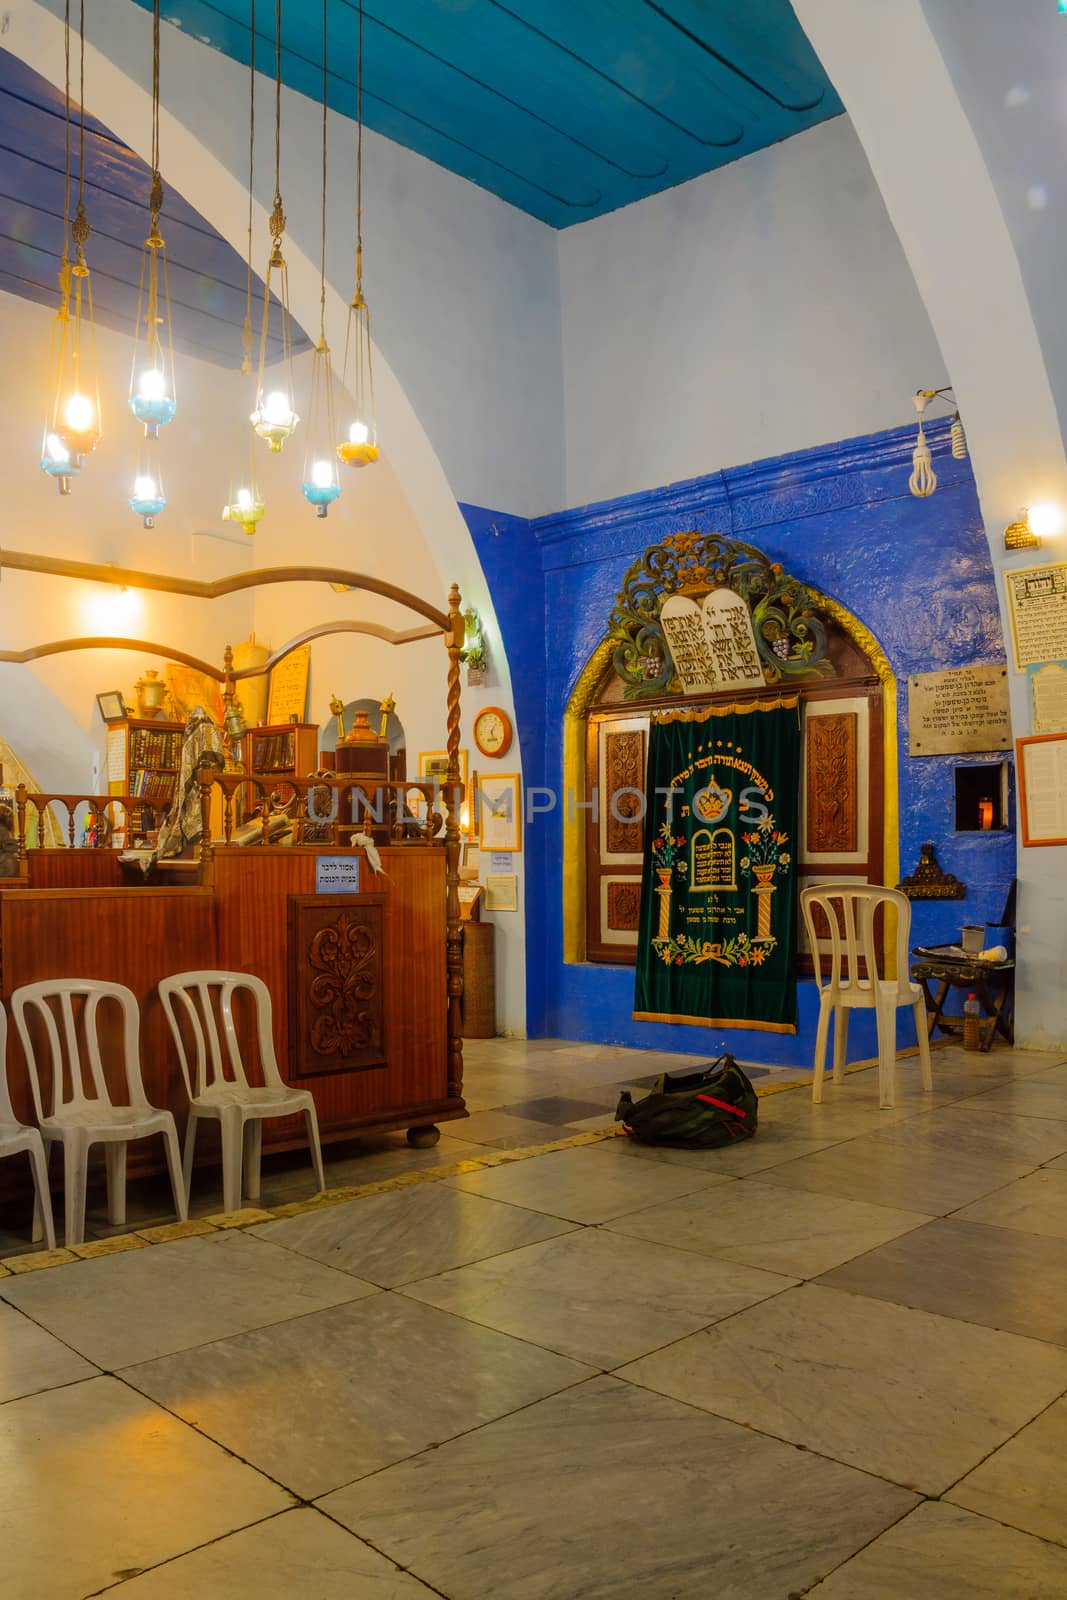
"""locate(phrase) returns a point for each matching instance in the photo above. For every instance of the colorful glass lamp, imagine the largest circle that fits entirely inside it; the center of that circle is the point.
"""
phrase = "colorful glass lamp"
(360, 448)
(275, 417)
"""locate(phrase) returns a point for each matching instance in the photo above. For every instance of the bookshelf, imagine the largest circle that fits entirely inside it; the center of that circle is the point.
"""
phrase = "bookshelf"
(284, 750)
(143, 758)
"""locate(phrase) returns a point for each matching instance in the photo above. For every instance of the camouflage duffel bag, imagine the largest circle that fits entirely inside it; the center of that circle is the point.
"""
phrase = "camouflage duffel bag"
(714, 1106)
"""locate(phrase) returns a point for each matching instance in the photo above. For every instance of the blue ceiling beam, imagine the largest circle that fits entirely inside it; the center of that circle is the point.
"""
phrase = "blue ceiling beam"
(564, 108)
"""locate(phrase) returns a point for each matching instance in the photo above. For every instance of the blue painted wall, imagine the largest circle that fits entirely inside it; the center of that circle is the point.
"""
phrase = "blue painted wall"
(916, 572)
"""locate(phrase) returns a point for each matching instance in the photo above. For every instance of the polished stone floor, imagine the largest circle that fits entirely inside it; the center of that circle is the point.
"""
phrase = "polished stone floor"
(832, 1362)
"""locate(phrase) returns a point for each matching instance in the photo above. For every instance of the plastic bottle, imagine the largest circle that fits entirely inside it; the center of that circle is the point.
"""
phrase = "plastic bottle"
(971, 1011)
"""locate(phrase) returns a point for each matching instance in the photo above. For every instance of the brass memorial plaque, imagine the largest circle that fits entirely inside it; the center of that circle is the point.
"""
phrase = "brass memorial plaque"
(958, 712)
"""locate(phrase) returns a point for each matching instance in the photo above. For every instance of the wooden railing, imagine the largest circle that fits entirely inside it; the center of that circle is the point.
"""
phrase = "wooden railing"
(104, 816)
(326, 810)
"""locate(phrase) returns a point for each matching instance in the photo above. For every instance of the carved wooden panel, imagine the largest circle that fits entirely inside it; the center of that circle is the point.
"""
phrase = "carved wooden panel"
(832, 793)
(336, 982)
(624, 768)
(624, 905)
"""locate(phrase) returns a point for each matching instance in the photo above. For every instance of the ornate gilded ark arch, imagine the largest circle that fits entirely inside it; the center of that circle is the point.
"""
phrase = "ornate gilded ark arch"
(797, 635)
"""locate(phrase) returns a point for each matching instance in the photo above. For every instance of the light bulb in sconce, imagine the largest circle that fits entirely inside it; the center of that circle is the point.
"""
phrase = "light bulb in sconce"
(320, 488)
(274, 419)
(55, 460)
(358, 450)
(276, 407)
(152, 385)
(1045, 519)
(322, 474)
(78, 413)
(147, 499)
(244, 499)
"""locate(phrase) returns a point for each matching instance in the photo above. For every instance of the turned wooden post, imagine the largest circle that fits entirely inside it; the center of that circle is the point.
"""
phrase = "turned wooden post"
(454, 638)
(20, 812)
(204, 779)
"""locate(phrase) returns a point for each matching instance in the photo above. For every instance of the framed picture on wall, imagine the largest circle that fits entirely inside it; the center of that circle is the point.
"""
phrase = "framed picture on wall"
(498, 811)
(112, 706)
(1041, 762)
(434, 764)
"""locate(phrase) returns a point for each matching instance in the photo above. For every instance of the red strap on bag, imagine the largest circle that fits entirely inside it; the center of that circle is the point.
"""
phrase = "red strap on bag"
(722, 1105)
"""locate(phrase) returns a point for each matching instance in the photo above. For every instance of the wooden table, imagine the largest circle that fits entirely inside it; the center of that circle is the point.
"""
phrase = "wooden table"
(992, 982)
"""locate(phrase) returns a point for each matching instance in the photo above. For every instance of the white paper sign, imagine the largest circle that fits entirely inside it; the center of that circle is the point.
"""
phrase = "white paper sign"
(336, 874)
(711, 642)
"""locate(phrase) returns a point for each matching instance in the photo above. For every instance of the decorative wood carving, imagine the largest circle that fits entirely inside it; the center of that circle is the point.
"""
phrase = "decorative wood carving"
(624, 768)
(624, 906)
(338, 1002)
(832, 792)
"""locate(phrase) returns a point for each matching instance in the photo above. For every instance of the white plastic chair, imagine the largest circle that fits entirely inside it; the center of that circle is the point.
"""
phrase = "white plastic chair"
(850, 911)
(16, 1136)
(219, 1088)
(80, 1111)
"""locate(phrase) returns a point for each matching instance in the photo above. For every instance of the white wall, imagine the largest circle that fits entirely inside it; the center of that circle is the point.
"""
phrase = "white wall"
(757, 310)
(947, 214)
(49, 711)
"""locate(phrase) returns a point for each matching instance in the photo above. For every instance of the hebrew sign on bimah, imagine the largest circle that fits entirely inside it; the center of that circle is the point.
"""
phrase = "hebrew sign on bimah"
(711, 642)
(958, 712)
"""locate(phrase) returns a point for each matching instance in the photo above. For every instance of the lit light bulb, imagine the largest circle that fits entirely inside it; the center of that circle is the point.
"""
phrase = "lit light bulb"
(322, 474)
(153, 385)
(244, 499)
(78, 412)
(57, 450)
(144, 487)
(1045, 519)
(276, 407)
(358, 433)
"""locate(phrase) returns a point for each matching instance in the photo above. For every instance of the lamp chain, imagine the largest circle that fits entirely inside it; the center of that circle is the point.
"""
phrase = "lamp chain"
(155, 199)
(277, 220)
(247, 336)
(80, 229)
(322, 268)
(358, 298)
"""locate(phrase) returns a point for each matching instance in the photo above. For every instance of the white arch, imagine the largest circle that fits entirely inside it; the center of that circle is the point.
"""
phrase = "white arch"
(885, 63)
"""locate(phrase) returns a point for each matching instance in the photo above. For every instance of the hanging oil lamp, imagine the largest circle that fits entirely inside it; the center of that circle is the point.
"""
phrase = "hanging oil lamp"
(320, 486)
(275, 417)
(244, 505)
(72, 427)
(360, 447)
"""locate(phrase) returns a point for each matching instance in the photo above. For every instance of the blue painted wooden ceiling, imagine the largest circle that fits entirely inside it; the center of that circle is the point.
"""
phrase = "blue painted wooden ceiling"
(564, 108)
(207, 277)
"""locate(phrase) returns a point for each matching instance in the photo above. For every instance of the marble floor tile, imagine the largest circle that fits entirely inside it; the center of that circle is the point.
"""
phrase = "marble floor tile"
(490, 1127)
(995, 1276)
(774, 1142)
(391, 1239)
(329, 1397)
(95, 1482)
(557, 1110)
(1044, 1095)
(756, 1224)
(117, 1310)
(598, 1297)
(900, 1393)
(1034, 1204)
(1024, 1483)
(907, 1177)
(30, 1359)
(300, 1555)
(942, 1553)
(607, 1491)
(962, 1131)
(590, 1184)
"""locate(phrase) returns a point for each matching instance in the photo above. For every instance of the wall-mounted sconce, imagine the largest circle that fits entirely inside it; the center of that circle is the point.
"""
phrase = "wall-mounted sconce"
(1033, 525)
(923, 480)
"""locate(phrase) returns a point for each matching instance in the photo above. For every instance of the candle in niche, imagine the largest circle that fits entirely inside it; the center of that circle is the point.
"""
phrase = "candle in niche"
(985, 815)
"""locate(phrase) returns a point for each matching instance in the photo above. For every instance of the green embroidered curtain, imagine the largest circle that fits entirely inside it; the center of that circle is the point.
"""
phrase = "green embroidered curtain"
(718, 928)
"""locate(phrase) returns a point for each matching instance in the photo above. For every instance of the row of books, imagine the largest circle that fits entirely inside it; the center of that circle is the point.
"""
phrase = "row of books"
(274, 752)
(149, 749)
(148, 785)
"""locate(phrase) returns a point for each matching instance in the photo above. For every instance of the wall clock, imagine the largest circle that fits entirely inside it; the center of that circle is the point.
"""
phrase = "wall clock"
(492, 731)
